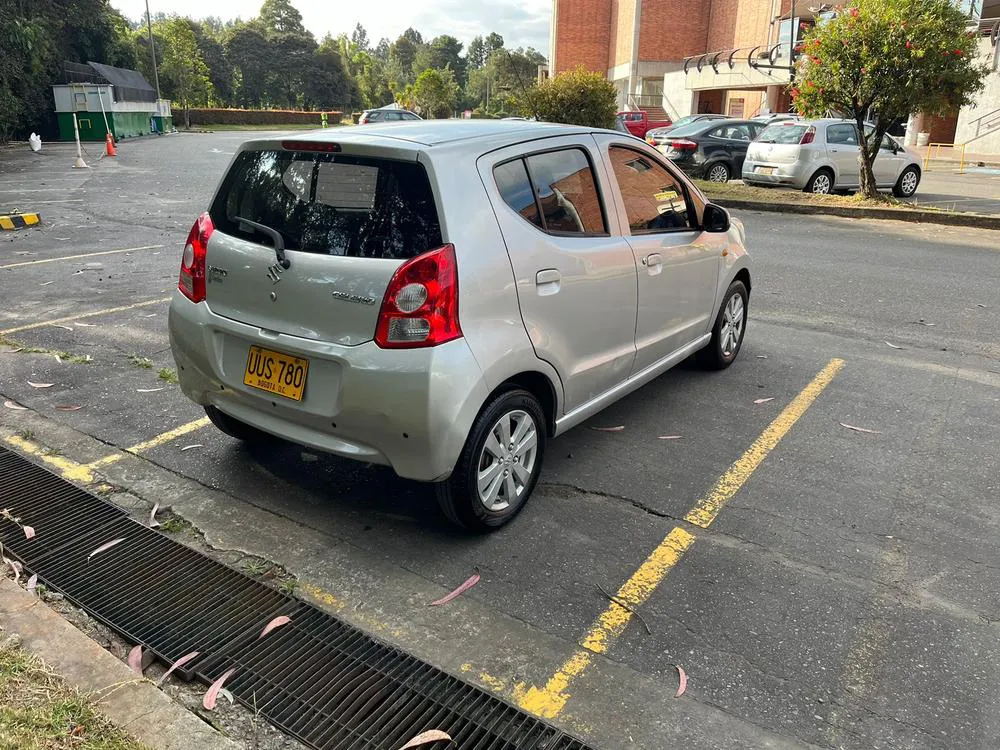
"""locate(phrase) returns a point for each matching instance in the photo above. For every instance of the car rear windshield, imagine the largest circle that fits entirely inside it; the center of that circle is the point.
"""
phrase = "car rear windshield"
(331, 204)
(782, 132)
(692, 128)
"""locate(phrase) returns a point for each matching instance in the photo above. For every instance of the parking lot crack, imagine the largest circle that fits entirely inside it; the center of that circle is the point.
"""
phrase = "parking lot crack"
(566, 488)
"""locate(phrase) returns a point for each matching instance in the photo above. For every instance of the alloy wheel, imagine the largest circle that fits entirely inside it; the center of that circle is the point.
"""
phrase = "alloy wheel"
(507, 460)
(732, 326)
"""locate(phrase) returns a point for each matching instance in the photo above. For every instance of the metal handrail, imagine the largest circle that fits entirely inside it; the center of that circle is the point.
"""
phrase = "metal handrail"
(994, 121)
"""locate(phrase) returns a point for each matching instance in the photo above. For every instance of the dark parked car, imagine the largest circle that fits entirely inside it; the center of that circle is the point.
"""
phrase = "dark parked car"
(656, 136)
(711, 149)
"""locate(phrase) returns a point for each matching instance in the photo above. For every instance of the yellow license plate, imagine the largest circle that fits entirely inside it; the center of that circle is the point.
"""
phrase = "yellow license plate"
(277, 373)
(765, 170)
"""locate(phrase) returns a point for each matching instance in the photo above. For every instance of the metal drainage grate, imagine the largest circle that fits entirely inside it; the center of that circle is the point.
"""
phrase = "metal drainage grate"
(318, 679)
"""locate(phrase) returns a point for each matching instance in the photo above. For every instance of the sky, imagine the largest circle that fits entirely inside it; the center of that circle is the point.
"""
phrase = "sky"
(521, 23)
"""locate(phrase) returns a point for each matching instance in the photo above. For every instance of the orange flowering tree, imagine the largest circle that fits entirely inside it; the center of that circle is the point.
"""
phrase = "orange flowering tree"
(890, 57)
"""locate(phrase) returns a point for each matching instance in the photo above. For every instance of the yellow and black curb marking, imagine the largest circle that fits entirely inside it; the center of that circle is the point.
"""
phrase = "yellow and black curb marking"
(18, 220)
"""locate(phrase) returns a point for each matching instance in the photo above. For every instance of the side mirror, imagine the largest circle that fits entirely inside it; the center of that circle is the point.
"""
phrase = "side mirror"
(715, 218)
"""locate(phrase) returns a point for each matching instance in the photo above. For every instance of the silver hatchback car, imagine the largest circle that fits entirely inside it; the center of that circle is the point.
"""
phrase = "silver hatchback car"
(820, 156)
(445, 298)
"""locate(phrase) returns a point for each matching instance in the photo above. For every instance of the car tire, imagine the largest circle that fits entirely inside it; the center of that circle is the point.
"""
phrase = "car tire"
(907, 183)
(461, 498)
(718, 172)
(722, 349)
(820, 183)
(235, 428)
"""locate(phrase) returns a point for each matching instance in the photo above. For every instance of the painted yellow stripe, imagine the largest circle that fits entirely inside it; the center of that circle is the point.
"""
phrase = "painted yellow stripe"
(69, 469)
(6, 223)
(146, 445)
(81, 316)
(81, 255)
(707, 509)
(549, 701)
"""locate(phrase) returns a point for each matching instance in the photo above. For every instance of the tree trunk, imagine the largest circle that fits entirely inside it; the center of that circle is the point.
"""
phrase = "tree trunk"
(869, 188)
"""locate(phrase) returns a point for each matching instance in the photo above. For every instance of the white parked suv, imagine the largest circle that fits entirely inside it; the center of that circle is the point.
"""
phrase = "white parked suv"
(446, 297)
(820, 156)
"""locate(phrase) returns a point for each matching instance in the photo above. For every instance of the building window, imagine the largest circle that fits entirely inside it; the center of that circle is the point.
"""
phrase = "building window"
(736, 107)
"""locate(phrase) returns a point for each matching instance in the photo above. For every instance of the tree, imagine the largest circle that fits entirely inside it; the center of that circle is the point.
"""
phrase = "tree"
(402, 53)
(476, 56)
(576, 97)
(220, 70)
(326, 82)
(446, 52)
(183, 67)
(359, 38)
(435, 93)
(247, 51)
(280, 16)
(890, 57)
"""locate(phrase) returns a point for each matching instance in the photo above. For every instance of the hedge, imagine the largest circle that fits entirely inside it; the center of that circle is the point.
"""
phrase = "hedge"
(213, 116)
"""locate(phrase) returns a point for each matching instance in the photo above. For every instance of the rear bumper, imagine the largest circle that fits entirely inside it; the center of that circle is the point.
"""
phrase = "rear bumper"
(410, 409)
(790, 175)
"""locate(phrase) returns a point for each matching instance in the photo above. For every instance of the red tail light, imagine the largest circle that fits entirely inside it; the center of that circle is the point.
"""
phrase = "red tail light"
(683, 145)
(192, 279)
(809, 136)
(420, 307)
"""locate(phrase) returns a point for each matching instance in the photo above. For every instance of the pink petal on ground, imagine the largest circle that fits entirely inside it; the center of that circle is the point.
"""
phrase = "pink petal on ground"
(32, 583)
(28, 532)
(104, 547)
(763, 400)
(860, 429)
(276, 623)
(153, 523)
(68, 407)
(670, 437)
(15, 407)
(135, 659)
(434, 735)
(469, 583)
(212, 694)
(177, 665)
(619, 428)
(40, 385)
(682, 681)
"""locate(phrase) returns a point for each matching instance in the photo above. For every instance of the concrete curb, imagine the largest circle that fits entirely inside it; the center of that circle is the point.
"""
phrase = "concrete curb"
(977, 221)
(19, 220)
(131, 702)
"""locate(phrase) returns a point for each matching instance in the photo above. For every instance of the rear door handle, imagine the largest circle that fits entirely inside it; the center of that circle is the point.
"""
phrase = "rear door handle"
(547, 281)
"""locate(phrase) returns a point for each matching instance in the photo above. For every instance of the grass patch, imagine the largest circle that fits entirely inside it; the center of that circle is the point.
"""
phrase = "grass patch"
(143, 363)
(76, 359)
(288, 586)
(39, 712)
(255, 568)
(294, 126)
(167, 375)
(174, 525)
(739, 191)
(52, 452)
(26, 434)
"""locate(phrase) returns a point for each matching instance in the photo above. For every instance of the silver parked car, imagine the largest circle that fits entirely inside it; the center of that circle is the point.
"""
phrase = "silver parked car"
(446, 298)
(820, 156)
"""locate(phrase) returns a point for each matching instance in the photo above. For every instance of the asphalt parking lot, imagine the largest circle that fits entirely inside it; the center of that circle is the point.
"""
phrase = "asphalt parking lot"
(846, 595)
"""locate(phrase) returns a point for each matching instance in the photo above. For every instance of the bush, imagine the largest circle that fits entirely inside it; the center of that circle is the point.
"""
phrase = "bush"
(213, 116)
(576, 97)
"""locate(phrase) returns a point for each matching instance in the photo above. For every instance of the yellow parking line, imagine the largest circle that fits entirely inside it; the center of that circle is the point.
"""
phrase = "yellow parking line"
(81, 316)
(549, 701)
(66, 467)
(81, 255)
(729, 483)
(160, 439)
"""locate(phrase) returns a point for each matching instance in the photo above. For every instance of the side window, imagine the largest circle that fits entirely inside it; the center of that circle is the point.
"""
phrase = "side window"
(515, 189)
(740, 133)
(566, 191)
(374, 116)
(408, 116)
(718, 133)
(888, 144)
(654, 198)
(842, 135)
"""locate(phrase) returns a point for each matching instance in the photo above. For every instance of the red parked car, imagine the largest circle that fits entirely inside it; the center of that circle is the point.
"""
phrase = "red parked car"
(638, 123)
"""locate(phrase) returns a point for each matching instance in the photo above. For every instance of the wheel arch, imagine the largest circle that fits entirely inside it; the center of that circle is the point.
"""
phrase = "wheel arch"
(538, 385)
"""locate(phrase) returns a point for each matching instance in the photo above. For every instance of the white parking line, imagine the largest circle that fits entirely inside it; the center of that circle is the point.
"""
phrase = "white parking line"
(81, 255)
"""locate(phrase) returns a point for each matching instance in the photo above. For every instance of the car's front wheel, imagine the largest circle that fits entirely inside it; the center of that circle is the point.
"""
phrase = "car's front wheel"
(907, 183)
(499, 465)
(730, 327)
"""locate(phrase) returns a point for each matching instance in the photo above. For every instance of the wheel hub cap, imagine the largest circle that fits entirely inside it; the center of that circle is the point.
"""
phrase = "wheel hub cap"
(507, 460)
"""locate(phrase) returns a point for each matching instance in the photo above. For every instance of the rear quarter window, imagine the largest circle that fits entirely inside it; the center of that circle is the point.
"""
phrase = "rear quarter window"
(332, 204)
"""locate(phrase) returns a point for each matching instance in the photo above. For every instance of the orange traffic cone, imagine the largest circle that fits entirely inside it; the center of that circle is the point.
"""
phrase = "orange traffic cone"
(110, 144)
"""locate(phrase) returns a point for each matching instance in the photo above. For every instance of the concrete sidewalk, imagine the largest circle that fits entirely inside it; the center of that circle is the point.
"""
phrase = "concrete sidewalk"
(975, 191)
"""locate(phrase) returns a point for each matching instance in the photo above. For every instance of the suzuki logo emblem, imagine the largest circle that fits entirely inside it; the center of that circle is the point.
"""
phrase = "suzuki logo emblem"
(274, 272)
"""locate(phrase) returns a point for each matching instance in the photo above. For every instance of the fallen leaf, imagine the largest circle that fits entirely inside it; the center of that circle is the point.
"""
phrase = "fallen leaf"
(763, 400)
(86, 325)
(68, 407)
(46, 283)
(15, 407)
(860, 429)
(14, 351)
(65, 328)
(682, 681)
(153, 315)
(189, 447)
(135, 659)
(177, 665)
(892, 346)
(227, 695)
(469, 583)
(670, 437)
(58, 358)
(153, 523)
(147, 390)
(28, 532)
(104, 547)
(761, 356)
(619, 428)
(433, 735)
(32, 583)
(15, 567)
(40, 385)
(212, 694)
(276, 623)
(979, 304)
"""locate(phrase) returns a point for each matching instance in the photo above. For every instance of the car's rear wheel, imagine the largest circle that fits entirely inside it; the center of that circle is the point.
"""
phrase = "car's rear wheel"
(719, 173)
(499, 465)
(820, 183)
(729, 329)
(235, 428)
(907, 183)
